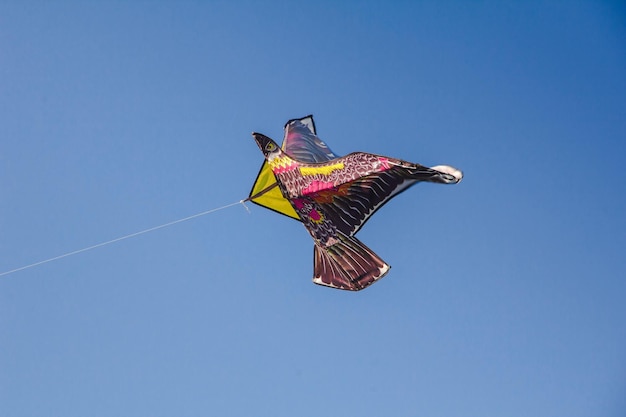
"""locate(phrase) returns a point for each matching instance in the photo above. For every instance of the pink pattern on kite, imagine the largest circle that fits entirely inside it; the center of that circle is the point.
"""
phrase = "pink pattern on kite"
(315, 215)
(280, 169)
(316, 186)
(298, 202)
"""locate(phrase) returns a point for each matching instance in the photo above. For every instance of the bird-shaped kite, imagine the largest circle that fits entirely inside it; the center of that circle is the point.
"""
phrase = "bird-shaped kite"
(333, 197)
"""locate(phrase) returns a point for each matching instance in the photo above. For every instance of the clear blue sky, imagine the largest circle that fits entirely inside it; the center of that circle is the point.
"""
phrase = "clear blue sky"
(506, 295)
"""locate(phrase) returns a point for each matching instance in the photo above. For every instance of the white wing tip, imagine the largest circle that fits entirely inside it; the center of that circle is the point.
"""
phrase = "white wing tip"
(446, 169)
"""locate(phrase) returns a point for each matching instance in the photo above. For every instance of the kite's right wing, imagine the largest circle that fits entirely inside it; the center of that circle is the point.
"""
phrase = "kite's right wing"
(351, 204)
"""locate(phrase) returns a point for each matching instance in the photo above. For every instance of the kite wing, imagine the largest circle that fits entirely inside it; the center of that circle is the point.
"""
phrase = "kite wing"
(300, 142)
(349, 205)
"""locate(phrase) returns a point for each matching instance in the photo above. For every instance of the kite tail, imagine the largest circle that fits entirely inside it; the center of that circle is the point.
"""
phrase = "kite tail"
(347, 265)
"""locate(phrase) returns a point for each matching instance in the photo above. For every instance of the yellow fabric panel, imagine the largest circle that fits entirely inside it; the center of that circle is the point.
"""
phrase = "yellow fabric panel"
(324, 170)
(272, 199)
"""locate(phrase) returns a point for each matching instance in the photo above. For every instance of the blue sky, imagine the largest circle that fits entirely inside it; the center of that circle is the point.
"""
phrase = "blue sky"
(506, 293)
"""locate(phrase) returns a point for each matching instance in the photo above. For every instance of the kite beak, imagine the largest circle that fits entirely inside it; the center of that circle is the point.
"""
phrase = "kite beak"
(257, 139)
(263, 141)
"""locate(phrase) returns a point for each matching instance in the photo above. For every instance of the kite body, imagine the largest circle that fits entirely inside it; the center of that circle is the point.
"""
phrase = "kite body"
(333, 197)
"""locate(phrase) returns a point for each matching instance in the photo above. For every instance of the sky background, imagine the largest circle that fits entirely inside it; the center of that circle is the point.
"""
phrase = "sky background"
(507, 291)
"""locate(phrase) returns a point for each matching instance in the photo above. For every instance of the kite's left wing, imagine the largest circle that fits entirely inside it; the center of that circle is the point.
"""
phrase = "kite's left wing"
(301, 142)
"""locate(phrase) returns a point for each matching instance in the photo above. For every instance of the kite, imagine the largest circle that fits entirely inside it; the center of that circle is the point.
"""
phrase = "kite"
(333, 197)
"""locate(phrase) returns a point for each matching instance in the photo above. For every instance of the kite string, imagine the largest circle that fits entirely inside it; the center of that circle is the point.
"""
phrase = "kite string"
(108, 242)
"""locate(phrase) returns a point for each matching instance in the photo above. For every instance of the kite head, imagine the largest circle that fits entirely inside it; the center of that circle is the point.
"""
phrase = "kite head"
(269, 148)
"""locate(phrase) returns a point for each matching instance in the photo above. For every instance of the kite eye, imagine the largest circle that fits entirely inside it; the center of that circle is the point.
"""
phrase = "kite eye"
(270, 147)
